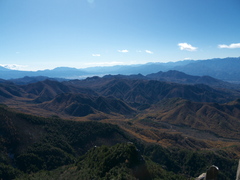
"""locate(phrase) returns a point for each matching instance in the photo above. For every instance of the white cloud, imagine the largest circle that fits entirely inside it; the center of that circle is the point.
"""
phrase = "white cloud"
(187, 47)
(96, 55)
(112, 63)
(231, 46)
(149, 52)
(123, 51)
(14, 66)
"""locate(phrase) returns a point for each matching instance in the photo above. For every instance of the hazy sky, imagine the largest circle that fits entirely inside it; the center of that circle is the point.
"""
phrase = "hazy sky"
(44, 34)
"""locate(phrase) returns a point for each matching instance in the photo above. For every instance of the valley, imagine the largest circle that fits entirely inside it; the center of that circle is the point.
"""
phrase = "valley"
(171, 110)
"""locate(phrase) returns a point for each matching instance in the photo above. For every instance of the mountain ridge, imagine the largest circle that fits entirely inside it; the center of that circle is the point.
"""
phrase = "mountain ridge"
(136, 90)
(221, 119)
(83, 105)
(225, 69)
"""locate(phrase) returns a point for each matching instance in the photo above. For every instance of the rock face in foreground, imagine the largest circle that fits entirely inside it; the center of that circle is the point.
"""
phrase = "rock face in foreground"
(238, 171)
(211, 174)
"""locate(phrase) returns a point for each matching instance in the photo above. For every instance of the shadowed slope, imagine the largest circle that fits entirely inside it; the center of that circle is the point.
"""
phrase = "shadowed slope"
(32, 143)
(82, 105)
(48, 89)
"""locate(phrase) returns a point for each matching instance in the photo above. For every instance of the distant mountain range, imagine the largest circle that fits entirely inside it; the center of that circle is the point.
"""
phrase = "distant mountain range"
(226, 69)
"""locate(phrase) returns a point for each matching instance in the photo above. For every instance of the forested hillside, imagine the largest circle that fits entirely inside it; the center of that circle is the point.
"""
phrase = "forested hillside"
(30, 144)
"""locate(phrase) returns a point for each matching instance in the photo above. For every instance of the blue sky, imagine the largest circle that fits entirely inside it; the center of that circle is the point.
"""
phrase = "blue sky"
(44, 34)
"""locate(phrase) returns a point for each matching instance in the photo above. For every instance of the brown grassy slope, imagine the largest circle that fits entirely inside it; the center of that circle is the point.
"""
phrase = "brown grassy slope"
(222, 120)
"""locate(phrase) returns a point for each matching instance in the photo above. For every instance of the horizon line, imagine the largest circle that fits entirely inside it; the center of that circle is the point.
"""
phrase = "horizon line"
(14, 67)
